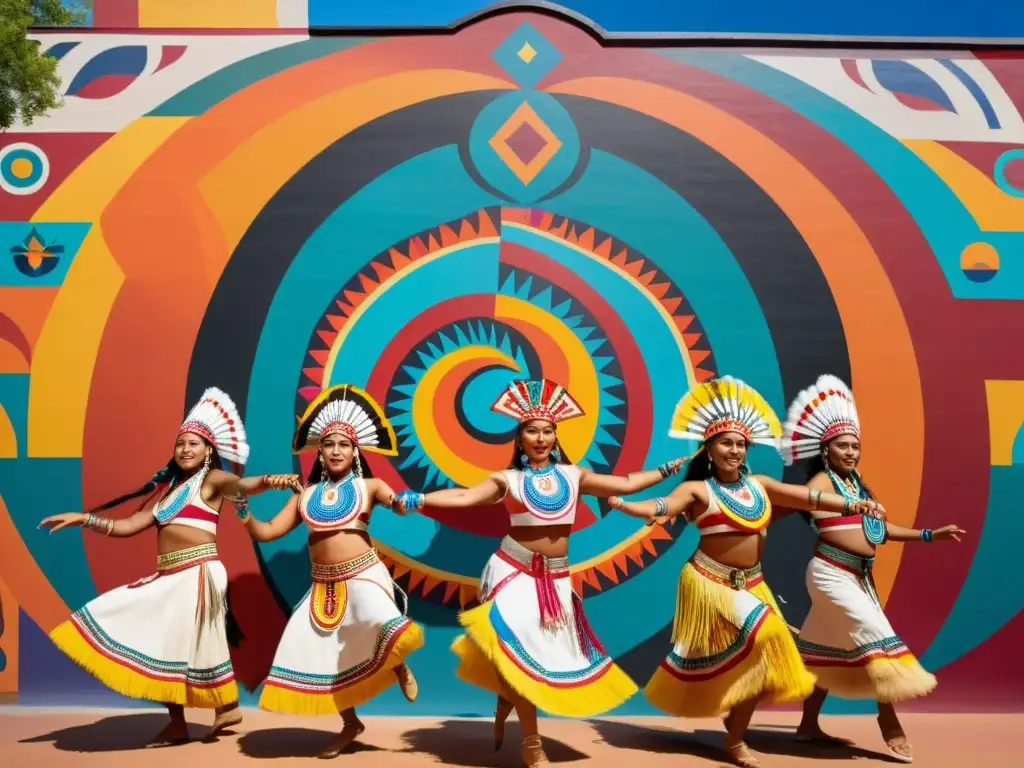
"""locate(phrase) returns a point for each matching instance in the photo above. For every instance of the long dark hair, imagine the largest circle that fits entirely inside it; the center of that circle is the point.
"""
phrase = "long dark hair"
(170, 474)
(316, 471)
(517, 450)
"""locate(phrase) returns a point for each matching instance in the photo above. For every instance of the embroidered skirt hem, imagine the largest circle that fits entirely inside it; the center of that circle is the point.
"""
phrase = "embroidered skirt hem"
(342, 643)
(159, 639)
(846, 639)
(530, 635)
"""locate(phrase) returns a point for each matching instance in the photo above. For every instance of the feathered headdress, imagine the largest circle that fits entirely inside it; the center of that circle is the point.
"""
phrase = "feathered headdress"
(350, 411)
(215, 418)
(818, 414)
(541, 399)
(725, 405)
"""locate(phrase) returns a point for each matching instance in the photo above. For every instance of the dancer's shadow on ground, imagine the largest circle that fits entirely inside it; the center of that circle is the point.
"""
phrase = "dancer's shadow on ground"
(471, 743)
(769, 739)
(120, 733)
(294, 742)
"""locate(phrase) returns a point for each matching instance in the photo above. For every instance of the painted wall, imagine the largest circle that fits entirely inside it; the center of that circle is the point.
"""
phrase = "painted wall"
(426, 216)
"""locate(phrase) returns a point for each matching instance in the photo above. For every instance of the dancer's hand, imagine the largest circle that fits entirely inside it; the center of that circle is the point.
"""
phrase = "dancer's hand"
(56, 522)
(283, 482)
(396, 506)
(947, 533)
(870, 508)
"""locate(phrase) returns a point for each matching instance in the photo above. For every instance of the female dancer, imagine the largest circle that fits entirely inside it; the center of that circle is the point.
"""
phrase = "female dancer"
(732, 647)
(529, 640)
(346, 641)
(164, 638)
(846, 640)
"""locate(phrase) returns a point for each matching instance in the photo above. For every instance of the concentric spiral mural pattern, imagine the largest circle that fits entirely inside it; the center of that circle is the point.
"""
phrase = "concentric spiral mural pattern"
(429, 217)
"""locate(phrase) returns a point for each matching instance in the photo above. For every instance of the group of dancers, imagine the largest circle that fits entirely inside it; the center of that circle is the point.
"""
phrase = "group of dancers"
(166, 637)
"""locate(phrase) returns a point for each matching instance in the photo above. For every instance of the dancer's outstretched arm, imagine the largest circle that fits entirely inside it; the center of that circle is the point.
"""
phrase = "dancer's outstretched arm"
(593, 484)
(488, 491)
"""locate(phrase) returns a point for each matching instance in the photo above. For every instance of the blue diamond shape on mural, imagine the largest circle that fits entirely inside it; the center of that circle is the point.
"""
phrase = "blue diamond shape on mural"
(526, 55)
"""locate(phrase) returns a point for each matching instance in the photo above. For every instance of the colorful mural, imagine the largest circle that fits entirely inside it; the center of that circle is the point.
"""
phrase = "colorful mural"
(428, 216)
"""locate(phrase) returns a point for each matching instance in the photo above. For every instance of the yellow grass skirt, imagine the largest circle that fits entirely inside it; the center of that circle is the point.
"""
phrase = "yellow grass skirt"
(731, 644)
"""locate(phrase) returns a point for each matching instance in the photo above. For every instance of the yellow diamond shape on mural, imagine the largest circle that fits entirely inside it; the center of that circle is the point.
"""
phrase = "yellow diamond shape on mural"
(526, 53)
(525, 143)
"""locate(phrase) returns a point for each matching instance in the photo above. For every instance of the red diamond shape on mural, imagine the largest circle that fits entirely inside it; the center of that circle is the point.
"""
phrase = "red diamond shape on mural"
(526, 143)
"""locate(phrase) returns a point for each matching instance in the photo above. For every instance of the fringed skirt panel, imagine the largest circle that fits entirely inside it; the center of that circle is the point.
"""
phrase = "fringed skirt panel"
(731, 644)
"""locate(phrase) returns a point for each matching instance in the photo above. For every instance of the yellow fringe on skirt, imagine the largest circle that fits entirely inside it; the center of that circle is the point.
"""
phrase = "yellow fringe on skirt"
(484, 664)
(291, 702)
(132, 683)
(888, 680)
(721, 664)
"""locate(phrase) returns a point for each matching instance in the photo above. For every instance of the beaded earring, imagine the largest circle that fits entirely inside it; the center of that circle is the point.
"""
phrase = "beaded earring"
(556, 455)
(207, 461)
(323, 469)
(359, 465)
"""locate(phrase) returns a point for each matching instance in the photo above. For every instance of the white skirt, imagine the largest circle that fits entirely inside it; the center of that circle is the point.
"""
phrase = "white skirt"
(161, 638)
(530, 633)
(846, 639)
(342, 643)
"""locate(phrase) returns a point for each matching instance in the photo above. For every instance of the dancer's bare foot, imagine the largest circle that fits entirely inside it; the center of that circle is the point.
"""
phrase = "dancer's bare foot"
(740, 754)
(895, 739)
(406, 681)
(225, 718)
(533, 752)
(173, 734)
(814, 735)
(352, 730)
(501, 713)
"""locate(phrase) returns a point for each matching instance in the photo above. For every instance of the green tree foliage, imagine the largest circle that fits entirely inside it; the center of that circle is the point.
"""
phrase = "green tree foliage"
(29, 85)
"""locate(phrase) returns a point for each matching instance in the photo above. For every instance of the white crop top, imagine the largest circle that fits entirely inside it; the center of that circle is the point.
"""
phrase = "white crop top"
(184, 505)
(542, 497)
(341, 506)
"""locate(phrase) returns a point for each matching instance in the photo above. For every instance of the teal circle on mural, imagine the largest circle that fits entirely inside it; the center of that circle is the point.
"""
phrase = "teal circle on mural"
(524, 145)
(1009, 172)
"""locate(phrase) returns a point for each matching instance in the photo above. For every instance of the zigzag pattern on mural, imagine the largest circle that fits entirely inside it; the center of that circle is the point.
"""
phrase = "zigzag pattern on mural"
(639, 268)
(379, 270)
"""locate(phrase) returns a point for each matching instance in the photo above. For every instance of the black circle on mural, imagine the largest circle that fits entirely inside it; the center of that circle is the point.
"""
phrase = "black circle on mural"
(794, 296)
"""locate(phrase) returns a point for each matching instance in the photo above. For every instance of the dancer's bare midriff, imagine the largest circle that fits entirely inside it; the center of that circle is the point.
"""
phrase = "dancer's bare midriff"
(547, 540)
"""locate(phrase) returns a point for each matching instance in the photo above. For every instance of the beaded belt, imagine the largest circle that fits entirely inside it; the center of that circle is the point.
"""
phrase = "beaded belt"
(515, 554)
(173, 562)
(335, 572)
(846, 560)
(737, 578)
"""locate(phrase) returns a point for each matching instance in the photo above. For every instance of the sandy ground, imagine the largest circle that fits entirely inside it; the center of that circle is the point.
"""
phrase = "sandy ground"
(54, 738)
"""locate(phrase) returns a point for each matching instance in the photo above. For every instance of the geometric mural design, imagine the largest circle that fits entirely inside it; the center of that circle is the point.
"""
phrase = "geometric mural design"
(428, 216)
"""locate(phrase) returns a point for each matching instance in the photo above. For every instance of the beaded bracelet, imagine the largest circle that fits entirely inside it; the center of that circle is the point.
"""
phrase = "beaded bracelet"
(926, 535)
(666, 470)
(241, 503)
(660, 507)
(412, 500)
